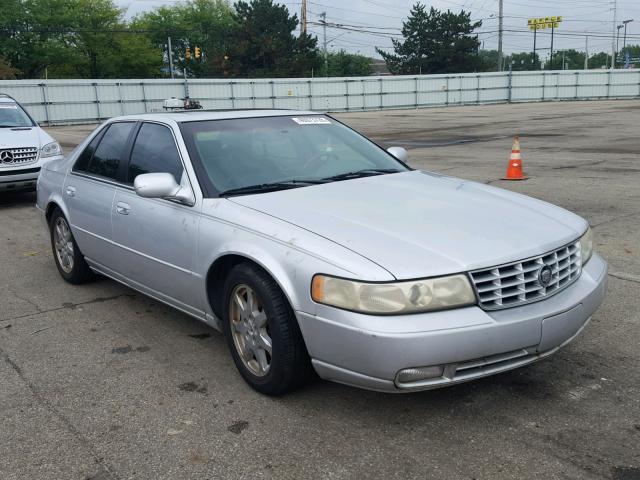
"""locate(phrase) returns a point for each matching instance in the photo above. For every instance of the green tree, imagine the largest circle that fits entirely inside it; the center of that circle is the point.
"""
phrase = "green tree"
(573, 60)
(74, 38)
(599, 60)
(263, 44)
(343, 64)
(33, 35)
(207, 24)
(7, 72)
(524, 61)
(435, 42)
(488, 60)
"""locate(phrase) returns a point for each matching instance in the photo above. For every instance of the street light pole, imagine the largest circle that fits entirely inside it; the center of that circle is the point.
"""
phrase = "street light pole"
(500, 33)
(613, 40)
(624, 43)
(553, 29)
(535, 34)
(617, 46)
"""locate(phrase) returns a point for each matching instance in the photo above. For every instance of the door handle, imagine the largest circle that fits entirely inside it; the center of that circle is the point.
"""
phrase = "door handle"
(123, 208)
(70, 191)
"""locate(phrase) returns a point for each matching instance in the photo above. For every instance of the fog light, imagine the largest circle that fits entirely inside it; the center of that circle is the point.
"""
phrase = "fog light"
(409, 375)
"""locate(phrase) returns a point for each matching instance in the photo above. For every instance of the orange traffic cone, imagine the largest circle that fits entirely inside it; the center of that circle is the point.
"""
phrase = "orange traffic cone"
(514, 168)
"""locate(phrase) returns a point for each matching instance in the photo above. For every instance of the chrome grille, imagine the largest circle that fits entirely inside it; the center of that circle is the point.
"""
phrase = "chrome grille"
(18, 156)
(518, 283)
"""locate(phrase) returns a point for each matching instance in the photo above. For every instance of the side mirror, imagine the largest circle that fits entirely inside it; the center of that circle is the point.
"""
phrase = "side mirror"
(399, 152)
(162, 185)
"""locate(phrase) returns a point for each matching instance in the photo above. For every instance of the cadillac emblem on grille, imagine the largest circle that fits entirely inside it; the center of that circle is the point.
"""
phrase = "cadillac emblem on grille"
(545, 275)
(6, 156)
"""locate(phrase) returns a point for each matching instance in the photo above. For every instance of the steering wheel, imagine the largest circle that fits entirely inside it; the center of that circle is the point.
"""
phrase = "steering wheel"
(320, 160)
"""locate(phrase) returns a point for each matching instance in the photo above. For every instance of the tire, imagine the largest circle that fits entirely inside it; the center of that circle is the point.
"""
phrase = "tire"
(289, 366)
(68, 257)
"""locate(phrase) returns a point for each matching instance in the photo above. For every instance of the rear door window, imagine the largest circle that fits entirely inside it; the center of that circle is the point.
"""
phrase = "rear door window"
(102, 156)
(154, 151)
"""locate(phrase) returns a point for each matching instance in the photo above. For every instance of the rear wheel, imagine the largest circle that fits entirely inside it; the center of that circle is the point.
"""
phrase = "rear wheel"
(69, 260)
(262, 332)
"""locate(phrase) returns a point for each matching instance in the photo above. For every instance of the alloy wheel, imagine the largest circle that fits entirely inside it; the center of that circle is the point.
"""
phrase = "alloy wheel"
(63, 243)
(250, 330)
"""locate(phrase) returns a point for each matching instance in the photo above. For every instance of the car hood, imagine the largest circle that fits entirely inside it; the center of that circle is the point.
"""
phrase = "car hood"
(418, 224)
(20, 137)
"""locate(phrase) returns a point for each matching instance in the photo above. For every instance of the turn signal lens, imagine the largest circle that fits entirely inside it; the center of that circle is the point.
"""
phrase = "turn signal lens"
(393, 298)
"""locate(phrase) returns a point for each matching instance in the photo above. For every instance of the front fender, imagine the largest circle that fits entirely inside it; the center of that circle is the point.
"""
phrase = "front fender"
(49, 190)
(291, 255)
(270, 259)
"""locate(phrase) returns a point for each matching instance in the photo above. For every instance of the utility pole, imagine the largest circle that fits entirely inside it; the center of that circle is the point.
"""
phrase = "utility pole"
(586, 52)
(500, 32)
(303, 18)
(170, 54)
(323, 16)
(613, 39)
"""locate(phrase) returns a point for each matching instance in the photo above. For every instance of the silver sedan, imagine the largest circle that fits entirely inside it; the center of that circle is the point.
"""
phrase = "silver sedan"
(313, 249)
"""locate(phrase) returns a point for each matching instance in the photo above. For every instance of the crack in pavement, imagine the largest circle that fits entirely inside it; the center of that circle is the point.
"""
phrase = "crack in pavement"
(28, 300)
(625, 276)
(615, 219)
(67, 305)
(579, 165)
(82, 440)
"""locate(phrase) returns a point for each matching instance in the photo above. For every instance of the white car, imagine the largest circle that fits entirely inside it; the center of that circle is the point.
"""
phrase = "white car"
(24, 147)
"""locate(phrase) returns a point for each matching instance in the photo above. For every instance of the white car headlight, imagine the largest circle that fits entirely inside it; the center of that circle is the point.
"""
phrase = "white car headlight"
(393, 298)
(51, 150)
(586, 246)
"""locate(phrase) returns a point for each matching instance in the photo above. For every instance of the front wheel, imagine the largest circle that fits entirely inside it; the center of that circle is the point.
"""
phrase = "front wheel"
(262, 332)
(69, 260)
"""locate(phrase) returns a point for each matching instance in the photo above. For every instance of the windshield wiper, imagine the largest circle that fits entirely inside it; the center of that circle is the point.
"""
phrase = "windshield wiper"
(269, 187)
(369, 172)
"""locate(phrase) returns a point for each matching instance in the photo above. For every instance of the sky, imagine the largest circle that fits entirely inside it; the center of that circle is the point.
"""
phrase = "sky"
(382, 21)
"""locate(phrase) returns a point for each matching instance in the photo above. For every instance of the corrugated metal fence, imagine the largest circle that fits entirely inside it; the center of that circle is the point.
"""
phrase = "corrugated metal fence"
(83, 101)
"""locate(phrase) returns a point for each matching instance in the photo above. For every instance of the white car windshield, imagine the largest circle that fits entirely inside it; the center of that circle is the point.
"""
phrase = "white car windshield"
(253, 155)
(12, 115)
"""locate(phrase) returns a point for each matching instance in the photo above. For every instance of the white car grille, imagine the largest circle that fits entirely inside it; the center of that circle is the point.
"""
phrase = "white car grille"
(10, 157)
(518, 283)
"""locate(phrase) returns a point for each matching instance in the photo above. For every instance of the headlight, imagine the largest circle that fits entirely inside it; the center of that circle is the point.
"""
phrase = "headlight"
(51, 150)
(586, 246)
(393, 298)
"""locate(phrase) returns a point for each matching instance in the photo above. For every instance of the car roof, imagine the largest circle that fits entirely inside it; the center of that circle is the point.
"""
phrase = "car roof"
(200, 115)
(4, 98)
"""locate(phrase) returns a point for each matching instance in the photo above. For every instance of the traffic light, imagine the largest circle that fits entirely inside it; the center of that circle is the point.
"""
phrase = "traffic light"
(187, 53)
(198, 52)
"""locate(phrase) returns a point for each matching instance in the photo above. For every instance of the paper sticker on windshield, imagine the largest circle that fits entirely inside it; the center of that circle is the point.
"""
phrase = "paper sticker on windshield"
(311, 120)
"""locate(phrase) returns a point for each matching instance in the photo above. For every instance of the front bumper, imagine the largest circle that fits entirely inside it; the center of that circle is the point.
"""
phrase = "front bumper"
(19, 179)
(23, 178)
(469, 342)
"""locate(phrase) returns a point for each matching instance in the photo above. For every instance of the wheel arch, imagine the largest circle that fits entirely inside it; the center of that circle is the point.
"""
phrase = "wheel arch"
(53, 203)
(48, 212)
(222, 265)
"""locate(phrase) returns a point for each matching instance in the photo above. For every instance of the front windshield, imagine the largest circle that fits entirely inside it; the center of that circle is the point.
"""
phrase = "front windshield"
(12, 115)
(239, 153)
